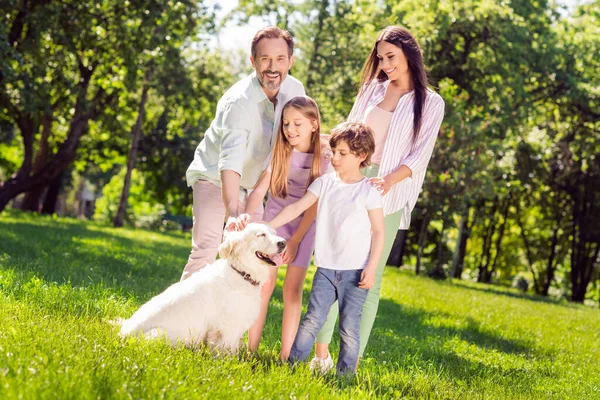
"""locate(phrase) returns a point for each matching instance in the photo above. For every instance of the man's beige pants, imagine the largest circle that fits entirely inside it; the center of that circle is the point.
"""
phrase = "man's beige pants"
(209, 220)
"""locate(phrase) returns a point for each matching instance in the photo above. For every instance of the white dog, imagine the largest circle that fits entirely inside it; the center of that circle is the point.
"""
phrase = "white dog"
(219, 303)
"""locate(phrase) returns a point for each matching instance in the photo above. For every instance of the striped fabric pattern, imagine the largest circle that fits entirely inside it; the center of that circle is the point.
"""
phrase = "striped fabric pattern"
(399, 149)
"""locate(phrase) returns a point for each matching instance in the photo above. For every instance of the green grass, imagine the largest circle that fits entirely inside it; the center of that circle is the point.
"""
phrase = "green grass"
(62, 279)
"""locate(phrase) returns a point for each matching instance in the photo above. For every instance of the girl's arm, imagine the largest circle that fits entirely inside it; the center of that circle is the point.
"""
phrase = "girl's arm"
(296, 238)
(258, 193)
(367, 277)
(292, 211)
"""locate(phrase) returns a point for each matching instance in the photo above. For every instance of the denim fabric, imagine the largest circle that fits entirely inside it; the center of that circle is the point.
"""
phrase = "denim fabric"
(328, 286)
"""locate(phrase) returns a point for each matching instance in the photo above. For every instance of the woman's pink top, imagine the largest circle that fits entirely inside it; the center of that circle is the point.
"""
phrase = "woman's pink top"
(379, 120)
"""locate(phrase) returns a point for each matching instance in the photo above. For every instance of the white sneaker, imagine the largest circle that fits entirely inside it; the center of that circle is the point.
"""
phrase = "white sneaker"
(321, 365)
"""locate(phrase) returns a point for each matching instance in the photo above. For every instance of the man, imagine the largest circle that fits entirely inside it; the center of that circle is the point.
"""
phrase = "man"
(231, 157)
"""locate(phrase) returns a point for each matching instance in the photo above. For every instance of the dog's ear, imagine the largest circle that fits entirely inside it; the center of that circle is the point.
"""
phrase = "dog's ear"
(226, 247)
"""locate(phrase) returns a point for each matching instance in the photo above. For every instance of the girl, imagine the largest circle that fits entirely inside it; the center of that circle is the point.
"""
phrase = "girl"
(299, 156)
(405, 115)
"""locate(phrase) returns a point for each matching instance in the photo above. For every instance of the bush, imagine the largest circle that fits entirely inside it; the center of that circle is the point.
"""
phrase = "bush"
(521, 283)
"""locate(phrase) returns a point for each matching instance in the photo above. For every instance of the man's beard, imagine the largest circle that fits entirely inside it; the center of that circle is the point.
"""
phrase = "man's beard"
(267, 83)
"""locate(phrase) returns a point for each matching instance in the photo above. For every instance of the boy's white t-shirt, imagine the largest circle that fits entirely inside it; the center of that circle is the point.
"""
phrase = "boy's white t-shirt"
(343, 231)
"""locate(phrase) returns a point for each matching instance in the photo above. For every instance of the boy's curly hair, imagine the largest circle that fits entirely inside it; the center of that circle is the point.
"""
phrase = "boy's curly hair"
(358, 136)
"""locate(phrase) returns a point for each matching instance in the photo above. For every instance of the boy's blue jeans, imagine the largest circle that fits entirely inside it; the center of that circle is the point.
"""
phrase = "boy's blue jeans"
(328, 286)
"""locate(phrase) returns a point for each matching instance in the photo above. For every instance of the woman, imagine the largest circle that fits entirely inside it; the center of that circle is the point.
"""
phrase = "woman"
(405, 115)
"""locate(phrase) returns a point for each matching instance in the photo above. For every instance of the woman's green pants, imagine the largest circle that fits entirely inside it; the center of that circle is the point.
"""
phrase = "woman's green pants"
(392, 222)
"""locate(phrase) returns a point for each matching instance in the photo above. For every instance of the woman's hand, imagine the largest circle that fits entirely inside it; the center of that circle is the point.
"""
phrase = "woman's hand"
(382, 184)
(291, 249)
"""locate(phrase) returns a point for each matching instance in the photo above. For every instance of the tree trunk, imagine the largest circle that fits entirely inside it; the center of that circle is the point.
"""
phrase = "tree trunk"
(136, 134)
(31, 201)
(397, 253)
(487, 245)
(52, 195)
(422, 238)
(438, 270)
(10, 188)
(528, 254)
(550, 265)
(458, 257)
(23, 181)
(491, 272)
(584, 245)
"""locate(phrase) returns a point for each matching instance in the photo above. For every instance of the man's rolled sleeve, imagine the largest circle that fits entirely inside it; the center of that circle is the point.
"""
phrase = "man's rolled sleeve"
(234, 138)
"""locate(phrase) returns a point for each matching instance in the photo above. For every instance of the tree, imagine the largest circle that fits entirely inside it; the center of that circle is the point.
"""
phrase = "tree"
(165, 39)
(67, 65)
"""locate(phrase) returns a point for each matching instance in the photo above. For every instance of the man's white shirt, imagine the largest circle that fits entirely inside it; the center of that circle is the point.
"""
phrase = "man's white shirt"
(241, 136)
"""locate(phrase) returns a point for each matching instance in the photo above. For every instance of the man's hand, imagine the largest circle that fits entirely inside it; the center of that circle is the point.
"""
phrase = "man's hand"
(243, 220)
(231, 224)
(237, 224)
(367, 278)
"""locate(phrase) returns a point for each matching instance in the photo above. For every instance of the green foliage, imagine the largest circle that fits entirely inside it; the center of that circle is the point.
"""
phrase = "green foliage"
(143, 210)
(516, 162)
(431, 339)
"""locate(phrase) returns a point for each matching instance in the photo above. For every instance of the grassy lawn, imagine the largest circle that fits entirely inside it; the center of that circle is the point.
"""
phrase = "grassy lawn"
(62, 279)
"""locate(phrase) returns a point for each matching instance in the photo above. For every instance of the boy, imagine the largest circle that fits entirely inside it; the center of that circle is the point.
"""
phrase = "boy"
(349, 242)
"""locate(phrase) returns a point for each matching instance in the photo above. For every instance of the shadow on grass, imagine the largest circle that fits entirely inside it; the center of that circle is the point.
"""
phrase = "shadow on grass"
(406, 340)
(409, 336)
(522, 296)
(71, 251)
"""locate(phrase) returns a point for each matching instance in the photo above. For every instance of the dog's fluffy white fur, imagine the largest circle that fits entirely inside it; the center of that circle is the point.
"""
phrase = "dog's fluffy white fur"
(217, 304)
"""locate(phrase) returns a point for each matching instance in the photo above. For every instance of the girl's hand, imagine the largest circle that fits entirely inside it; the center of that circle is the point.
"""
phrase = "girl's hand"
(381, 184)
(290, 251)
(367, 278)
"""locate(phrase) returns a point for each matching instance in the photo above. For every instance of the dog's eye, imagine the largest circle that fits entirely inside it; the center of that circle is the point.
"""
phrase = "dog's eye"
(262, 235)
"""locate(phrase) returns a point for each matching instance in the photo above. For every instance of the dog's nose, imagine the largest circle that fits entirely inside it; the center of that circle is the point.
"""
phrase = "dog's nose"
(281, 245)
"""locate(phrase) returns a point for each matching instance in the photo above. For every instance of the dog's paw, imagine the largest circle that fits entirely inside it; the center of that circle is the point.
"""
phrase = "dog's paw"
(118, 322)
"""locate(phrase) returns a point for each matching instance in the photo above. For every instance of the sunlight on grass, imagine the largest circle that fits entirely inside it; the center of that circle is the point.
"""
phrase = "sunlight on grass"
(62, 280)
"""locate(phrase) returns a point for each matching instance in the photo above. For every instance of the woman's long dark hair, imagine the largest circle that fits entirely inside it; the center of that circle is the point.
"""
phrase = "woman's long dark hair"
(403, 39)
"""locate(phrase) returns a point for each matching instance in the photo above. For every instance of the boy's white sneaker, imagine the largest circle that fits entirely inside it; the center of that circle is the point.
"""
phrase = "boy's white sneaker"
(322, 365)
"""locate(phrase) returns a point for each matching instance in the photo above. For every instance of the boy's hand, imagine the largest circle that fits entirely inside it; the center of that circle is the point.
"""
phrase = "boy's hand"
(367, 278)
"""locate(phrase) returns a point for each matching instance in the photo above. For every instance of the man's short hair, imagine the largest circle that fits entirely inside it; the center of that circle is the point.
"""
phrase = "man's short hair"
(272, 32)
(358, 136)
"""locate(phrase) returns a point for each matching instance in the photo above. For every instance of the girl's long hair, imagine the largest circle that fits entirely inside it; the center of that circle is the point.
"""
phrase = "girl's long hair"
(282, 151)
(403, 39)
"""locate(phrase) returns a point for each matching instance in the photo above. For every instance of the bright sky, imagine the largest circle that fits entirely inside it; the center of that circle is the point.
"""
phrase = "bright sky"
(233, 37)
